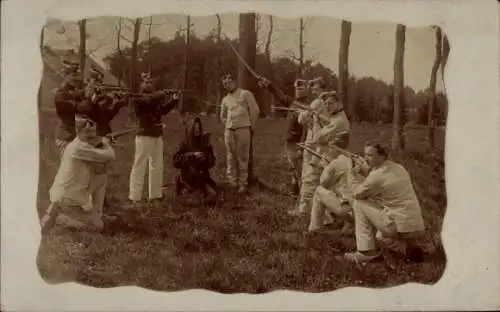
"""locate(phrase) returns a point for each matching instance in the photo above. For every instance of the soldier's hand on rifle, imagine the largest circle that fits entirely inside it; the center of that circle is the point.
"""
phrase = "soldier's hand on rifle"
(107, 140)
(360, 165)
(96, 141)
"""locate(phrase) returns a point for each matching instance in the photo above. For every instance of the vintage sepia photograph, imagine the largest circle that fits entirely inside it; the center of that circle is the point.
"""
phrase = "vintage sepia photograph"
(241, 153)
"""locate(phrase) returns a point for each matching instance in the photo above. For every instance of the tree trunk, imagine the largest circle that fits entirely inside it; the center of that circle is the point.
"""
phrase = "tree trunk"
(82, 49)
(150, 45)
(42, 39)
(133, 58)
(119, 50)
(398, 143)
(444, 59)
(248, 49)
(343, 79)
(186, 68)
(218, 68)
(431, 121)
(301, 48)
(269, 63)
(134, 85)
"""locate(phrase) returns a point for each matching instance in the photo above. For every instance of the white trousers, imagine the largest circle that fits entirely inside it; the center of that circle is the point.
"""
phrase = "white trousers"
(311, 172)
(238, 153)
(324, 201)
(373, 226)
(148, 153)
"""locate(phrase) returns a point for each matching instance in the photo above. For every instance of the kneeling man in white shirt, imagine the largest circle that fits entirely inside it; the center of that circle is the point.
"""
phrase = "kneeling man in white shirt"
(77, 193)
(386, 208)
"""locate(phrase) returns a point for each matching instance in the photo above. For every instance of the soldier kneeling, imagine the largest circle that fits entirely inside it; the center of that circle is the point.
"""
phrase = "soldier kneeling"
(78, 191)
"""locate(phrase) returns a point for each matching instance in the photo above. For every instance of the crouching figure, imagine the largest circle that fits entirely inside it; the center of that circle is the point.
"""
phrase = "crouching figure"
(194, 159)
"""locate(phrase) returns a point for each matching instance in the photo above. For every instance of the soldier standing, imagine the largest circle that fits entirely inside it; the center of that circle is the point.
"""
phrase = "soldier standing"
(295, 131)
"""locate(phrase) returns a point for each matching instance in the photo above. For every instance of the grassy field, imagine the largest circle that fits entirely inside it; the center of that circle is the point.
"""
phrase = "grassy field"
(254, 248)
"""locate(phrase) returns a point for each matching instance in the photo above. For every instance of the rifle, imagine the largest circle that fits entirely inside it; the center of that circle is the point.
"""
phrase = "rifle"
(110, 88)
(154, 93)
(114, 135)
(303, 107)
(310, 150)
(289, 109)
(346, 153)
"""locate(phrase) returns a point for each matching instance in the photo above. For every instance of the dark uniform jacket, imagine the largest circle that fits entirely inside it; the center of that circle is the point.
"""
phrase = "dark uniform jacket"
(102, 109)
(68, 103)
(295, 131)
(149, 110)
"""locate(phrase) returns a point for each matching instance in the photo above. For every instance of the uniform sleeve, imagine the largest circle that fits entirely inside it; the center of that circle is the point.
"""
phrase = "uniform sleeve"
(252, 107)
(64, 104)
(369, 187)
(223, 110)
(116, 106)
(327, 133)
(86, 152)
(167, 107)
(328, 176)
(84, 107)
(304, 117)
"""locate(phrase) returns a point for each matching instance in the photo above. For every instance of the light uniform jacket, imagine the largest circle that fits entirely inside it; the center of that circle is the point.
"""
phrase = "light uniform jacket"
(311, 123)
(339, 177)
(72, 184)
(239, 109)
(390, 188)
(320, 133)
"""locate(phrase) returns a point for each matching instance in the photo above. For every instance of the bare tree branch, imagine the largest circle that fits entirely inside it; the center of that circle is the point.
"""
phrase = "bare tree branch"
(301, 47)
(125, 38)
(269, 38)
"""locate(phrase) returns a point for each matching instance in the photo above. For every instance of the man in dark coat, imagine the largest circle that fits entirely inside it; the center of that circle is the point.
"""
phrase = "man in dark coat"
(68, 100)
(102, 106)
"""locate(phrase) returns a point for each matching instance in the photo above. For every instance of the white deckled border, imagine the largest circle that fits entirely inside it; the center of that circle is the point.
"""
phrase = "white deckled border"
(472, 224)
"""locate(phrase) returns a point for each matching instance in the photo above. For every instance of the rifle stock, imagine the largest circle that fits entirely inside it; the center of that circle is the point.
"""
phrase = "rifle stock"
(315, 153)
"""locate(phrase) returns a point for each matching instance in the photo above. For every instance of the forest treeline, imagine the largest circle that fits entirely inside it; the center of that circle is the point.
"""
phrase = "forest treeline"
(370, 99)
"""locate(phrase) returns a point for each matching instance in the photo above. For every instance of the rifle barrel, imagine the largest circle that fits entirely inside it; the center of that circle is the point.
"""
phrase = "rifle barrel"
(307, 108)
(285, 108)
(310, 150)
(120, 133)
(345, 152)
